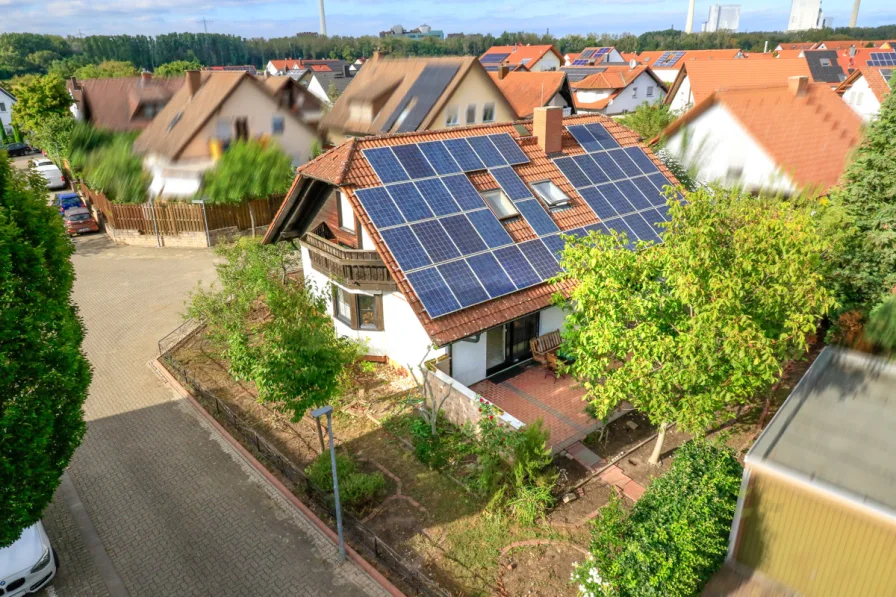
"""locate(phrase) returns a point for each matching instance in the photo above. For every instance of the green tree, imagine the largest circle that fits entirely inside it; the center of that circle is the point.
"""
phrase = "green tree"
(274, 331)
(109, 69)
(37, 98)
(881, 328)
(83, 140)
(332, 92)
(649, 120)
(675, 536)
(863, 218)
(52, 135)
(177, 68)
(249, 169)
(43, 371)
(117, 171)
(705, 321)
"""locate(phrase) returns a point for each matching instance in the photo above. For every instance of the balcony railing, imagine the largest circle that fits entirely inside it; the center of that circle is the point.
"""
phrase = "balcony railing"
(358, 267)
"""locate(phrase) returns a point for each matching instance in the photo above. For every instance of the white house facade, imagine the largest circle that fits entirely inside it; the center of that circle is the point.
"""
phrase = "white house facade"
(862, 99)
(7, 101)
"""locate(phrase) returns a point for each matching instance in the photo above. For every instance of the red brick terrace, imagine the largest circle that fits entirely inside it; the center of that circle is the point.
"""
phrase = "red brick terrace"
(531, 392)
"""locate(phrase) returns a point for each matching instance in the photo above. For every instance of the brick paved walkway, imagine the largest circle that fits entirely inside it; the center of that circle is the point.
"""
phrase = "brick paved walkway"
(176, 509)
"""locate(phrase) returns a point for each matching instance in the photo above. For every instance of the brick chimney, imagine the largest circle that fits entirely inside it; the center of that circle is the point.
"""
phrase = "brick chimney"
(547, 126)
(798, 86)
(194, 79)
(503, 71)
(146, 75)
(377, 55)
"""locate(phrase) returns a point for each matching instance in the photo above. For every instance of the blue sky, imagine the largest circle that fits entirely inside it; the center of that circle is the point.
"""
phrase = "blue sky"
(272, 18)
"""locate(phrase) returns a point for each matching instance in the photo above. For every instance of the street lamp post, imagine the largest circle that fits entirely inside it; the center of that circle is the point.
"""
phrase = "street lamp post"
(317, 414)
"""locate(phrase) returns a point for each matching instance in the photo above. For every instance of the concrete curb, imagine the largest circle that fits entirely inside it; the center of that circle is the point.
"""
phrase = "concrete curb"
(321, 525)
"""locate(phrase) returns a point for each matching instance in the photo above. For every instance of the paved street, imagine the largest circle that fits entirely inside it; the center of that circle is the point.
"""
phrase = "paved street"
(157, 503)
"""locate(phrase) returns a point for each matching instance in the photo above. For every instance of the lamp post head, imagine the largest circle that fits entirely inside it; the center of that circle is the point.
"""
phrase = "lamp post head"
(323, 410)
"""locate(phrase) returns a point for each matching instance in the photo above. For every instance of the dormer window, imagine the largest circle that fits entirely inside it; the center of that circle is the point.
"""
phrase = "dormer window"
(502, 207)
(550, 194)
(826, 62)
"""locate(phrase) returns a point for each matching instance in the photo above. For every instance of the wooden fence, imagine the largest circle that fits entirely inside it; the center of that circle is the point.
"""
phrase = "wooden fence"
(170, 218)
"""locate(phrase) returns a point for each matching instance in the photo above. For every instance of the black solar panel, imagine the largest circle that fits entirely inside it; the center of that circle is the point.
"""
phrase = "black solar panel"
(426, 90)
(489, 58)
(463, 154)
(413, 161)
(380, 207)
(385, 164)
(439, 158)
(435, 241)
(409, 201)
(509, 149)
(487, 151)
(490, 273)
(437, 196)
(463, 283)
(405, 247)
(512, 185)
(433, 292)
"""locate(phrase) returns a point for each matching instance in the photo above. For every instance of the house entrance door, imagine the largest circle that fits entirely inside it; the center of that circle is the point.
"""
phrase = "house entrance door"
(508, 344)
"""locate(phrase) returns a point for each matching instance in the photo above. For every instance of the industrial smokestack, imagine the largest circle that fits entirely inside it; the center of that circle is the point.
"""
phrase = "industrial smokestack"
(323, 19)
(855, 13)
(689, 25)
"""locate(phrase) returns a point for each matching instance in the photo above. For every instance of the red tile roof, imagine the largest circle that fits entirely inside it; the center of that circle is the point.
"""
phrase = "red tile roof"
(113, 104)
(808, 136)
(711, 75)
(518, 53)
(287, 64)
(346, 167)
(529, 90)
(614, 77)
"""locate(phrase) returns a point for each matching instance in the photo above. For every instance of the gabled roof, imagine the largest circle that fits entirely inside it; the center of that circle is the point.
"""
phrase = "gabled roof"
(835, 430)
(286, 88)
(529, 90)
(796, 46)
(708, 76)
(8, 93)
(289, 63)
(112, 104)
(519, 54)
(420, 85)
(875, 79)
(809, 136)
(790, 53)
(347, 168)
(616, 78)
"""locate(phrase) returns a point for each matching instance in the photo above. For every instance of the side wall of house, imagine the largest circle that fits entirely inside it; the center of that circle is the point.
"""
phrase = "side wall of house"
(548, 62)
(862, 100)
(628, 100)
(403, 340)
(723, 151)
(682, 99)
(812, 543)
(479, 89)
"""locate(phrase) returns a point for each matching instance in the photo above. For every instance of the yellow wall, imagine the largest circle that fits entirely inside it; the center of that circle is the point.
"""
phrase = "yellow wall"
(253, 102)
(813, 544)
(475, 88)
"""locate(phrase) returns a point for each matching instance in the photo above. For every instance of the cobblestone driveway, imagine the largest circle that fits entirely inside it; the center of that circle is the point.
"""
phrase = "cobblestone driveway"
(175, 509)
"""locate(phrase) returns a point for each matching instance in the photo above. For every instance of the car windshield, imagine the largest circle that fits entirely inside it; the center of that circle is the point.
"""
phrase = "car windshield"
(78, 217)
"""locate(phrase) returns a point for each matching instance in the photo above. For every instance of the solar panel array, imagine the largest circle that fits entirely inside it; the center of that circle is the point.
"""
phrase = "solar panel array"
(453, 250)
(886, 73)
(494, 58)
(623, 187)
(590, 55)
(882, 58)
(668, 59)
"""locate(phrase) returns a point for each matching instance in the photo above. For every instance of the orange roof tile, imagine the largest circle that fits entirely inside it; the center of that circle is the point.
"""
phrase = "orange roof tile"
(287, 64)
(798, 46)
(529, 90)
(809, 136)
(614, 77)
(346, 167)
(789, 53)
(708, 76)
(520, 54)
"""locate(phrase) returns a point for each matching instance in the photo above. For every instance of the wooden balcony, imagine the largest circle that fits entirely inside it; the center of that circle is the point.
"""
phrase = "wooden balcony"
(361, 268)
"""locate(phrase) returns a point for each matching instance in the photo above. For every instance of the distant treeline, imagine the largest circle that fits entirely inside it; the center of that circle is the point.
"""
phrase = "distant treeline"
(25, 53)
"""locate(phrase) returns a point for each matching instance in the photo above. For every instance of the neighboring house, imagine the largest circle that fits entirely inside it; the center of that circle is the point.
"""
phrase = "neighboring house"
(7, 101)
(123, 104)
(667, 64)
(529, 90)
(284, 67)
(290, 94)
(697, 80)
(785, 138)
(797, 46)
(442, 244)
(618, 89)
(592, 56)
(816, 514)
(852, 58)
(866, 89)
(532, 58)
(209, 111)
(318, 82)
(232, 68)
(416, 94)
(824, 67)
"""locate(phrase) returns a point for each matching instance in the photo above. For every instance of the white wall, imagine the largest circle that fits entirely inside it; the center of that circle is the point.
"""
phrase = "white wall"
(6, 115)
(402, 339)
(625, 101)
(719, 147)
(682, 99)
(468, 360)
(318, 91)
(551, 320)
(666, 75)
(548, 62)
(862, 100)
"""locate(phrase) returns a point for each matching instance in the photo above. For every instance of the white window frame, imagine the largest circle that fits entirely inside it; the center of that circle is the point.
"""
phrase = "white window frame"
(346, 215)
(635, 92)
(2, 107)
(500, 204)
(650, 91)
(467, 114)
(550, 193)
(452, 116)
(220, 126)
(486, 108)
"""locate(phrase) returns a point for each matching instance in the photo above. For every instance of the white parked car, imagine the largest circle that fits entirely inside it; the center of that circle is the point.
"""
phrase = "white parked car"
(52, 174)
(28, 565)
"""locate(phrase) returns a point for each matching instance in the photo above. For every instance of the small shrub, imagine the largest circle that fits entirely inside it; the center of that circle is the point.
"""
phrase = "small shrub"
(532, 456)
(427, 447)
(530, 503)
(356, 488)
(881, 327)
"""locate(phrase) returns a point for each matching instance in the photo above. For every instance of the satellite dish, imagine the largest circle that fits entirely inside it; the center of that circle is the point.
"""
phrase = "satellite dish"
(632, 63)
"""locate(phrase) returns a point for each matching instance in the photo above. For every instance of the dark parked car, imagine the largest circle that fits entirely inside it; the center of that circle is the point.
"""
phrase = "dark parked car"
(14, 149)
(66, 201)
